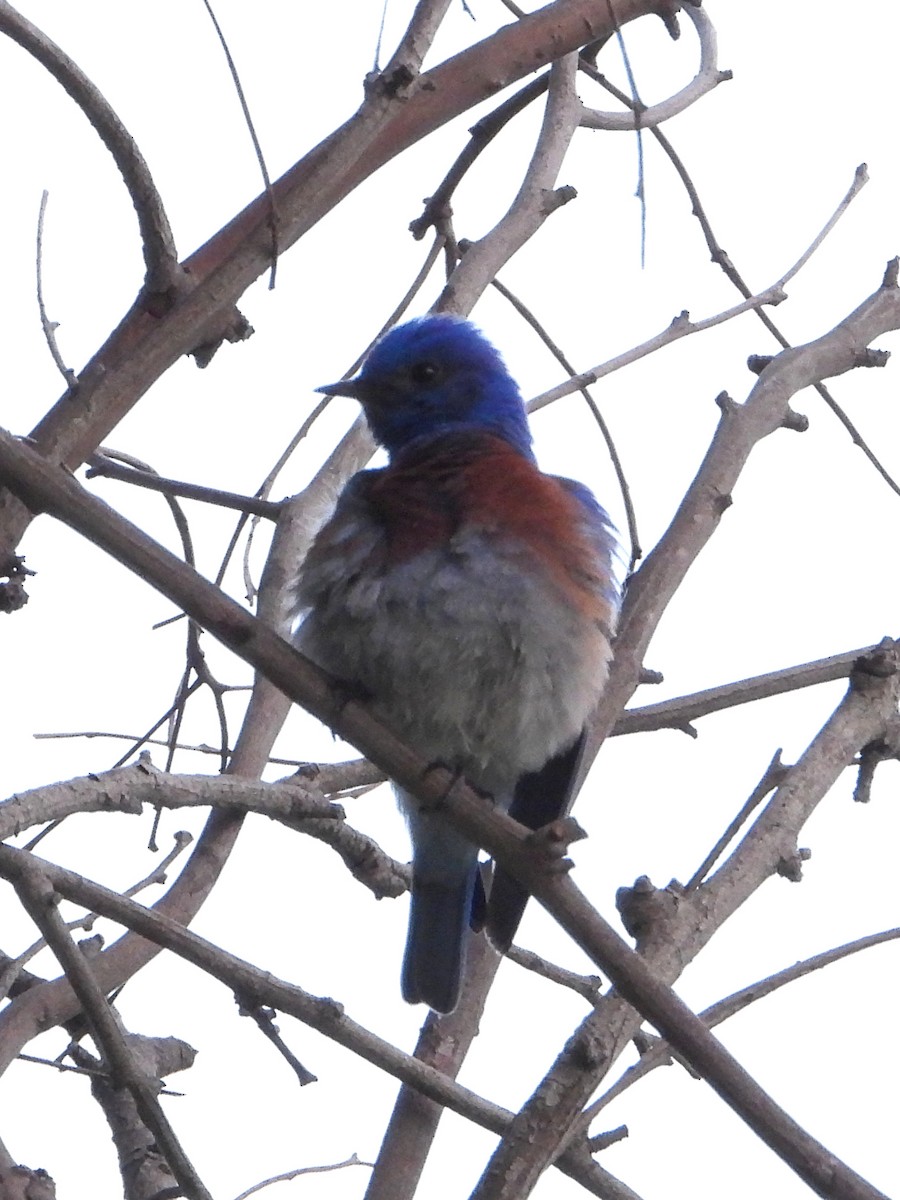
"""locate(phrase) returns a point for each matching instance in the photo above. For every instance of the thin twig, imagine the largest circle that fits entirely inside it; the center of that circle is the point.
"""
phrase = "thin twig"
(481, 134)
(639, 110)
(722, 1010)
(265, 1022)
(772, 776)
(722, 259)
(49, 327)
(683, 326)
(587, 986)
(564, 362)
(75, 1070)
(100, 464)
(257, 148)
(352, 1161)
(14, 967)
(302, 765)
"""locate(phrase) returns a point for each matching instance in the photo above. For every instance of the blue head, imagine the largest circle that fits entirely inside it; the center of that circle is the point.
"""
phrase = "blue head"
(435, 375)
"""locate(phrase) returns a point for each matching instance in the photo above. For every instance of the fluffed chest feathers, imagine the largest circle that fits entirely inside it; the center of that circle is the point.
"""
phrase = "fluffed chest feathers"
(469, 650)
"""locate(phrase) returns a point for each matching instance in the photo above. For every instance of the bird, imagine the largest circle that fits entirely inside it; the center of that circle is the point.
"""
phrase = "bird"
(472, 600)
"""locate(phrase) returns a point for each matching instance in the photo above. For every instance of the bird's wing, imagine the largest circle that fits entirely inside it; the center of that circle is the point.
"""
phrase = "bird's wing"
(544, 795)
(540, 797)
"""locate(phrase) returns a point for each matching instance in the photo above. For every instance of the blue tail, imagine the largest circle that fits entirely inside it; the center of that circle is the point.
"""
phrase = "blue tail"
(444, 870)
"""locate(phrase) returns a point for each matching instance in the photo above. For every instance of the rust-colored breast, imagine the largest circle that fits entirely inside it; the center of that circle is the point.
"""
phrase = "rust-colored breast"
(479, 483)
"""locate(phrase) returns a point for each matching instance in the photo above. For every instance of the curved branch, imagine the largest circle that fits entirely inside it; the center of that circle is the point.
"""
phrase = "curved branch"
(164, 276)
(128, 789)
(708, 76)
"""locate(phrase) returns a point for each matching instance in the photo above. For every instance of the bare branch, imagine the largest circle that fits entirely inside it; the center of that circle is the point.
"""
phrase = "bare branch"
(295, 803)
(417, 40)
(533, 203)
(100, 464)
(587, 986)
(164, 277)
(681, 326)
(251, 983)
(251, 129)
(146, 1174)
(773, 775)
(49, 327)
(660, 1051)
(670, 927)
(740, 429)
(12, 970)
(265, 1022)
(708, 76)
(36, 894)
(286, 1176)
(682, 711)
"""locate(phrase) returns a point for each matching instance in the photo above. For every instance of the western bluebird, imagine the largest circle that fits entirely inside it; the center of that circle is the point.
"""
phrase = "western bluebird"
(473, 599)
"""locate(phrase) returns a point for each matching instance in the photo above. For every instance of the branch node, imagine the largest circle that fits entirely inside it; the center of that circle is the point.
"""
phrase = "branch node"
(869, 758)
(880, 664)
(890, 273)
(798, 422)
(871, 358)
(12, 593)
(555, 198)
(602, 1141)
(552, 841)
(643, 907)
(757, 363)
(791, 865)
(236, 329)
(648, 675)
(388, 84)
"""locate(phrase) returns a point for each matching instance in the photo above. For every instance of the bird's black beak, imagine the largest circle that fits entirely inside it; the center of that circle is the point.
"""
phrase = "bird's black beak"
(345, 387)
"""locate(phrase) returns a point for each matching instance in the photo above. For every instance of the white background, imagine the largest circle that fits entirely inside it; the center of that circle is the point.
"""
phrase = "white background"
(803, 565)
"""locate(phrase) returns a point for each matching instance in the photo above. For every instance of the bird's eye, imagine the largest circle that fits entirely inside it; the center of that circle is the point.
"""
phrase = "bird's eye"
(423, 372)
